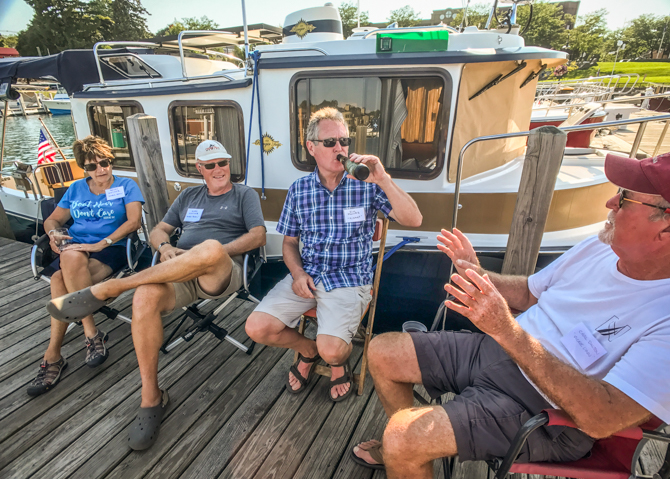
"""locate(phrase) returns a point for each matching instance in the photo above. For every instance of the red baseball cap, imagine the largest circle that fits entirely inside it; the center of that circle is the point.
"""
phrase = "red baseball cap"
(650, 176)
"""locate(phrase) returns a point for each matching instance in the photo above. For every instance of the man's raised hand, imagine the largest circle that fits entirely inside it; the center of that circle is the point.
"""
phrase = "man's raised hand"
(459, 249)
(481, 303)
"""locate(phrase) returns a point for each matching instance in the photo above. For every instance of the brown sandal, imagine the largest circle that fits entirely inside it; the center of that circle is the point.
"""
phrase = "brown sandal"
(304, 381)
(375, 452)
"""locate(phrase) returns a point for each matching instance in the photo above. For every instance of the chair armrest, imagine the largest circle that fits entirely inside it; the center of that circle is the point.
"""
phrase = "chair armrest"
(253, 260)
(522, 434)
(37, 255)
(156, 258)
(558, 417)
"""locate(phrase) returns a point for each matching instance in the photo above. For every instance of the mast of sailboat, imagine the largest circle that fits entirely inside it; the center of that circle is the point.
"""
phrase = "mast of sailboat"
(4, 132)
(358, 14)
(246, 32)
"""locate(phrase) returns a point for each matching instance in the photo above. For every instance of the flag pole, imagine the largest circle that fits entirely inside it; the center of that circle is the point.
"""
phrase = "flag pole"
(52, 139)
(4, 132)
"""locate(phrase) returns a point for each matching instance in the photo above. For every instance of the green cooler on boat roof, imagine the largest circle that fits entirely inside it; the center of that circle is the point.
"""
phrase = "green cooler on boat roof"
(413, 42)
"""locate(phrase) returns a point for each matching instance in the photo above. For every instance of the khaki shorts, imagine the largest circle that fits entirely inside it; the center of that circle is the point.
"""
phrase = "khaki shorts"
(338, 311)
(189, 292)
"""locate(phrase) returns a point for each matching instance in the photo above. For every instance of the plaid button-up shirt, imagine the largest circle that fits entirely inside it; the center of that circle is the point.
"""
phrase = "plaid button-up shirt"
(335, 251)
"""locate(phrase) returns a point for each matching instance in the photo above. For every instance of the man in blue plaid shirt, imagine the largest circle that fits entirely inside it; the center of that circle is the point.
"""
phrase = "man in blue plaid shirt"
(334, 215)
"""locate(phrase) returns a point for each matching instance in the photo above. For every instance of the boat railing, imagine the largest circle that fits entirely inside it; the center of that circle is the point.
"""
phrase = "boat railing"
(627, 99)
(633, 153)
(97, 55)
(601, 85)
(409, 29)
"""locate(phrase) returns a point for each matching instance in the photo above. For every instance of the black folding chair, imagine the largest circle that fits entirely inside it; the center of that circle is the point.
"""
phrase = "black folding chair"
(41, 258)
(253, 260)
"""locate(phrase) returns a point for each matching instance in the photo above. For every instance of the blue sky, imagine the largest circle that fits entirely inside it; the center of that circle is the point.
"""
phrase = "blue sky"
(15, 14)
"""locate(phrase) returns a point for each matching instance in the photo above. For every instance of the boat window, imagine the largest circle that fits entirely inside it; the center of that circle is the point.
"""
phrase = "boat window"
(108, 121)
(399, 119)
(194, 122)
(129, 66)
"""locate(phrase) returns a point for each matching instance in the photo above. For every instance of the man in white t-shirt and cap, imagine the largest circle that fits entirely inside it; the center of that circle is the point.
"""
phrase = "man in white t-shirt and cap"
(593, 340)
(220, 221)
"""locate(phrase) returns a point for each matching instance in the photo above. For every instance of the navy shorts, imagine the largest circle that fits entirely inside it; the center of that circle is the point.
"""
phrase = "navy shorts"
(493, 399)
(113, 256)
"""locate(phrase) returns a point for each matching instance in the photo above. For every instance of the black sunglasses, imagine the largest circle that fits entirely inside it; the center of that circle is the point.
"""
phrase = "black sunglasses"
(94, 166)
(623, 198)
(330, 142)
(210, 166)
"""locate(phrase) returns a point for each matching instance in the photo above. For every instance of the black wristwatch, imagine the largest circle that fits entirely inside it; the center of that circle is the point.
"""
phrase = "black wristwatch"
(162, 244)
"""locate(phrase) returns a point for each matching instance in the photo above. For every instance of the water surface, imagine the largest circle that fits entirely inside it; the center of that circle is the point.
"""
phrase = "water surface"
(23, 135)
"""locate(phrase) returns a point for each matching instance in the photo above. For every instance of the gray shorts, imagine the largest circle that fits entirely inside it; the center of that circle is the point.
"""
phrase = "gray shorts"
(338, 311)
(190, 291)
(493, 399)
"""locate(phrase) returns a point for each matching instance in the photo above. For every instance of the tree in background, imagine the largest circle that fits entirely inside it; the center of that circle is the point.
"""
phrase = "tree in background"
(477, 16)
(405, 16)
(547, 27)
(643, 35)
(192, 23)
(585, 41)
(348, 13)
(8, 41)
(59, 25)
(129, 21)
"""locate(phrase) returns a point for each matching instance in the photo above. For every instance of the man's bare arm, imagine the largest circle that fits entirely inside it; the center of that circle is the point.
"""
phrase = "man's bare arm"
(597, 408)
(254, 238)
(160, 234)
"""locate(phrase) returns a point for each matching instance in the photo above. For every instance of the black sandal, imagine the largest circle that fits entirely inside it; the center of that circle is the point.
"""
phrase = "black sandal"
(302, 380)
(346, 378)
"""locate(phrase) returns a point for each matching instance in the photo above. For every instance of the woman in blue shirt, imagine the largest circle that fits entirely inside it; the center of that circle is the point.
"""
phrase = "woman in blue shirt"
(105, 210)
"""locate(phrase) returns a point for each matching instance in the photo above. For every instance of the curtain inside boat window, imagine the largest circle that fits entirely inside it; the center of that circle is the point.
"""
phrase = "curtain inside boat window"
(400, 119)
(108, 121)
(192, 122)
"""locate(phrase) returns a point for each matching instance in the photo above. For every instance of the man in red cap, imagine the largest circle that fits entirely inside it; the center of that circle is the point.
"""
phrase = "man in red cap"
(592, 341)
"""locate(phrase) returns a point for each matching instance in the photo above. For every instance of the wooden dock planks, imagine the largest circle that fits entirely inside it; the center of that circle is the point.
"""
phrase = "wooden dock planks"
(229, 415)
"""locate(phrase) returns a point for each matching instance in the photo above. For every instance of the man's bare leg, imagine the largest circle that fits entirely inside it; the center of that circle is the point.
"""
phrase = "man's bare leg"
(147, 330)
(394, 368)
(414, 438)
(207, 261)
(334, 350)
(266, 329)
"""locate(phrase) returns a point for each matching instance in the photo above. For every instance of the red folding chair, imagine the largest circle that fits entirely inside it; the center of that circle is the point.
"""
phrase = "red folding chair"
(614, 457)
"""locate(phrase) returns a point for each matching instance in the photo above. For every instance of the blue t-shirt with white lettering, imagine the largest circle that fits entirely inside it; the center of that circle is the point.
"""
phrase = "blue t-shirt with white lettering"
(96, 217)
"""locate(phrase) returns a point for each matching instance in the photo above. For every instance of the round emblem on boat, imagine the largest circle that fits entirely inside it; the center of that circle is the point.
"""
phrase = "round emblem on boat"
(302, 28)
(269, 143)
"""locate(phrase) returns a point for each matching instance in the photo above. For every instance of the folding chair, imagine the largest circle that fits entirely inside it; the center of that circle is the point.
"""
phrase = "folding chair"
(381, 227)
(253, 260)
(41, 257)
(614, 457)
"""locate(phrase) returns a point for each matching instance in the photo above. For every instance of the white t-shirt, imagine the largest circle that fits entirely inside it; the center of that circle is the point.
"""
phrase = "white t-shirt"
(630, 319)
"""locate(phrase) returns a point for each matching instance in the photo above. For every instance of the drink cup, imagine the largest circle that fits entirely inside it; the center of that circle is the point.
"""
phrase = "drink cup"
(61, 237)
(413, 327)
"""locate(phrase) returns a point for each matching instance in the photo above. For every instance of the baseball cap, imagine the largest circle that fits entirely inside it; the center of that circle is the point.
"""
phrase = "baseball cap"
(210, 150)
(650, 176)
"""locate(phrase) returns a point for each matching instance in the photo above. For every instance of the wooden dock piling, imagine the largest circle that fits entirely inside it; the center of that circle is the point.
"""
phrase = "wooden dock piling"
(544, 156)
(146, 146)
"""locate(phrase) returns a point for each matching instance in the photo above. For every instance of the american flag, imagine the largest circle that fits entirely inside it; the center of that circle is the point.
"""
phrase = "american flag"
(45, 152)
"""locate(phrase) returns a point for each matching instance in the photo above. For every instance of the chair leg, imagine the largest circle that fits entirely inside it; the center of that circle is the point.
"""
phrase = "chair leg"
(364, 360)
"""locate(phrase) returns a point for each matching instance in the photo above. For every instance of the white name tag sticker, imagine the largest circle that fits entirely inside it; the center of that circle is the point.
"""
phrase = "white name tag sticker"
(114, 193)
(193, 215)
(583, 346)
(354, 215)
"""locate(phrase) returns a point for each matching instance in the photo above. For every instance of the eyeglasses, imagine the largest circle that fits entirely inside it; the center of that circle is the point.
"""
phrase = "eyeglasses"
(210, 166)
(623, 198)
(330, 142)
(94, 166)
